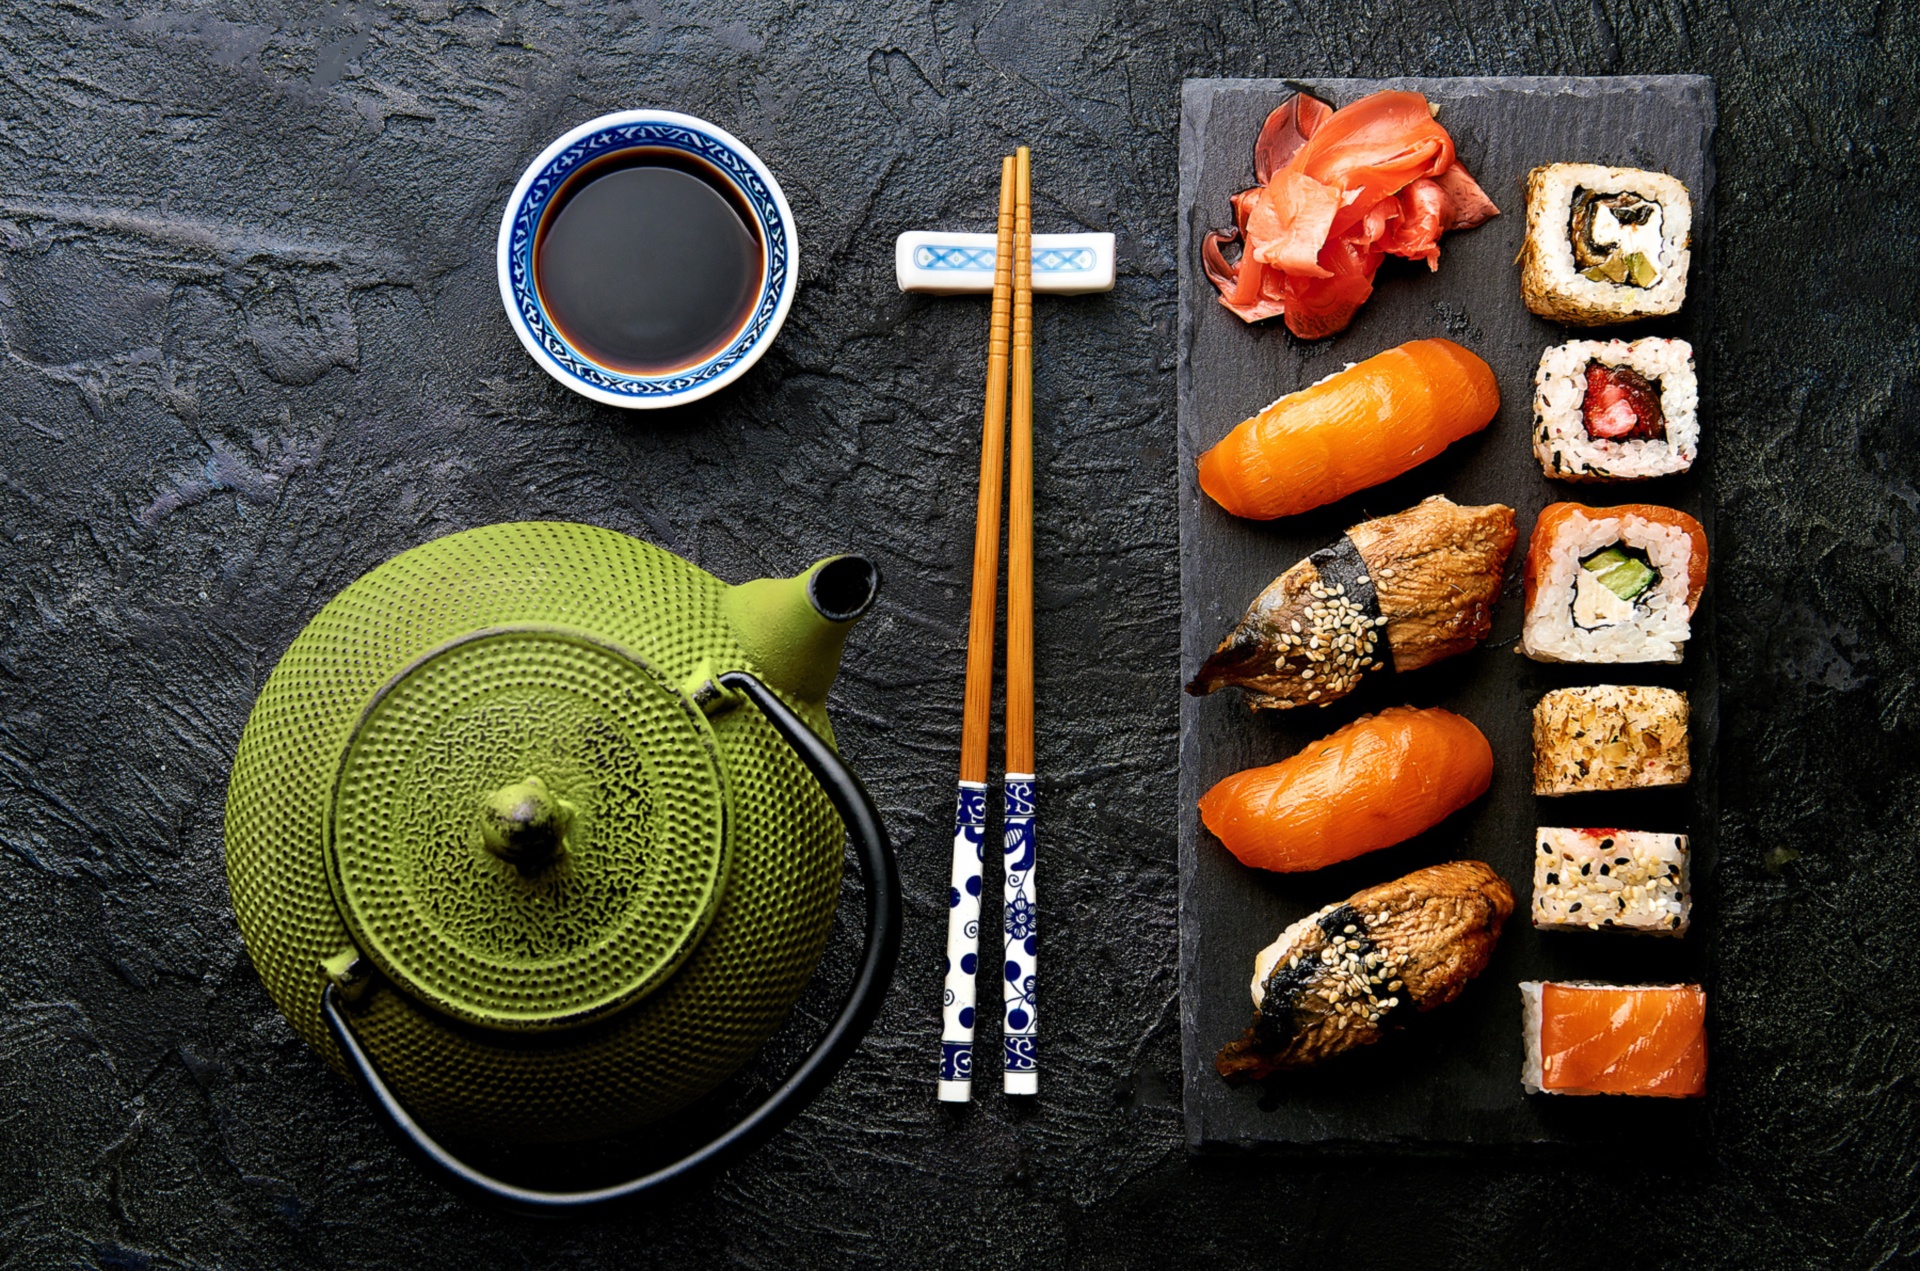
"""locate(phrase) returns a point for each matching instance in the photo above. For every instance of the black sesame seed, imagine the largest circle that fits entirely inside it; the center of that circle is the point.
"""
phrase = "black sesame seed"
(1619, 860)
(1574, 907)
(1606, 871)
(1605, 844)
(1553, 880)
(1546, 850)
(1586, 868)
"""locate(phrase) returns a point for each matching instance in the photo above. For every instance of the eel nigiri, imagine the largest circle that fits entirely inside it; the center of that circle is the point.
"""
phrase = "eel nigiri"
(1644, 1039)
(1379, 781)
(1346, 975)
(1353, 429)
(1427, 577)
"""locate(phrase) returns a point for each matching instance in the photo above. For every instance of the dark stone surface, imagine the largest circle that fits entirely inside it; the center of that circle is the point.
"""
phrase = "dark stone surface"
(253, 346)
(1453, 1080)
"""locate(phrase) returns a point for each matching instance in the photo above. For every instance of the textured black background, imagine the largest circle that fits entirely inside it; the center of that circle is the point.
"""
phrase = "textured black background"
(253, 346)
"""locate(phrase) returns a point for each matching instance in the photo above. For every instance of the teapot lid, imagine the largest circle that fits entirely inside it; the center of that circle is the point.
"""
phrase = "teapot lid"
(528, 828)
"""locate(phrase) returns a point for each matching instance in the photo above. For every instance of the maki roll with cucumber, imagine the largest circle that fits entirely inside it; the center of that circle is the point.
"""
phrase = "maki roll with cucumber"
(1616, 410)
(1604, 245)
(1613, 584)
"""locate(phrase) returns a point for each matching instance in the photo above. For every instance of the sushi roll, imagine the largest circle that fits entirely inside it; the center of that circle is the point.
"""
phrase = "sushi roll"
(1616, 410)
(1609, 737)
(1632, 1039)
(1346, 975)
(1427, 579)
(1613, 584)
(1595, 879)
(1380, 780)
(1604, 245)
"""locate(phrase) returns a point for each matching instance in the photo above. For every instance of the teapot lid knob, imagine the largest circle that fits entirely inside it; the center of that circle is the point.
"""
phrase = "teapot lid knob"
(525, 825)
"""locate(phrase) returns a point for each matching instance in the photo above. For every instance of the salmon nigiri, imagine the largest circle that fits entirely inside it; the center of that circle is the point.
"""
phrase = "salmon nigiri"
(1380, 780)
(1644, 1039)
(1354, 429)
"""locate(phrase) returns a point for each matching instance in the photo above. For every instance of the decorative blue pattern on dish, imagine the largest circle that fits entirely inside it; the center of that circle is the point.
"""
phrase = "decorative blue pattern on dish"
(967, 258)
(959, 259)
(1062, 260)
(526, 222)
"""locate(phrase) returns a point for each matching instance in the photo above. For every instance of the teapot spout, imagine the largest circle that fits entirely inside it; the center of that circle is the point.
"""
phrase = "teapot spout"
(794, 628)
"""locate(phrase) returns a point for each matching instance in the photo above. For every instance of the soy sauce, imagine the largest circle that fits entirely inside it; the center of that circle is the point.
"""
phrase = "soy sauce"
(648, 261)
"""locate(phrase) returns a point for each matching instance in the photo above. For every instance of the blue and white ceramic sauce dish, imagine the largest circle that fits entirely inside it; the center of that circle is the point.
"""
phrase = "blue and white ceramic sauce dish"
(647, 259)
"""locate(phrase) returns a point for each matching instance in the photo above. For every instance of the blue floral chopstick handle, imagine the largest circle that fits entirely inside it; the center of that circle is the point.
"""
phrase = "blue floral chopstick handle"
(1021, 1029)
(963, 943)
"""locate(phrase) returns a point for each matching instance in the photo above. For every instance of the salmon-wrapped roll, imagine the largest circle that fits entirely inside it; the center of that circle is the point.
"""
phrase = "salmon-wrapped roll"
(1616, 584)
(1632, 1039)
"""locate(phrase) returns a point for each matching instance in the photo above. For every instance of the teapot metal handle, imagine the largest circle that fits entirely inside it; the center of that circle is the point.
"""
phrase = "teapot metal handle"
(882, 879)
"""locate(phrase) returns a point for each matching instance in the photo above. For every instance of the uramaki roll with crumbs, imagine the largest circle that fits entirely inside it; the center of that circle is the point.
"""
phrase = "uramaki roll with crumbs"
(1609, 737)
(1604, 245)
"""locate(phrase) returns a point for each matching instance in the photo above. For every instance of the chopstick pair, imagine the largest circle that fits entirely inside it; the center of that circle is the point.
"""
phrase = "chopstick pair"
(1009, 409)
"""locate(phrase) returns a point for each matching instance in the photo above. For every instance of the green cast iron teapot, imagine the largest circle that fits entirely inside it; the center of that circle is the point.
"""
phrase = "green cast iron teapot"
(536, 829)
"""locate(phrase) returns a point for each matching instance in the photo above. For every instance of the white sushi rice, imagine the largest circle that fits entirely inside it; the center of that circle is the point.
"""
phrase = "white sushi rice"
(1631, 880)
(1530, 1035)
(1560, 439)
(1265, 960)
(1550, 216)
(1659, 624)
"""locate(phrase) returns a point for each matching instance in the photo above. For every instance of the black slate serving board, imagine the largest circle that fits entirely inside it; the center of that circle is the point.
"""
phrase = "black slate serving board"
(1452, 1081)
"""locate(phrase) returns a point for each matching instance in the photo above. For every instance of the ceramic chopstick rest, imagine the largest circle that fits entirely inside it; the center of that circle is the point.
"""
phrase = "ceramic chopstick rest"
(941, 264)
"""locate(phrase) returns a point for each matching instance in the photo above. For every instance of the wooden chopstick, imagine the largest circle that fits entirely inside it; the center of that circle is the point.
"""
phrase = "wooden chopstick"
(970, 804)
(975, 717)
(1020, 1026)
